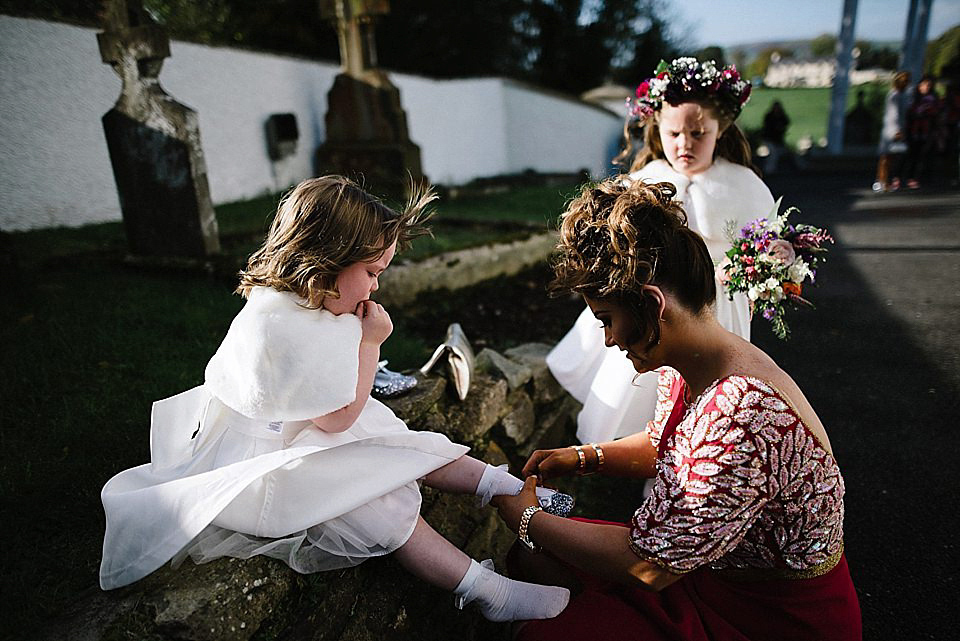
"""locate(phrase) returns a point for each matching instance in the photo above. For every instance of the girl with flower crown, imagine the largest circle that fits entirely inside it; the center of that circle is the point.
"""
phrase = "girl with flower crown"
(690, 139)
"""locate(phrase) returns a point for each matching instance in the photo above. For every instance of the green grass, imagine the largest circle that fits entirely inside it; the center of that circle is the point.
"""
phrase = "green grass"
(242, 224)
(808, 109)
(539, 205)
(89, 342)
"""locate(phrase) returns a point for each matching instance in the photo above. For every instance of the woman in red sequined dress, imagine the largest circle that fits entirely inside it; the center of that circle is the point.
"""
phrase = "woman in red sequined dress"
(742, 536)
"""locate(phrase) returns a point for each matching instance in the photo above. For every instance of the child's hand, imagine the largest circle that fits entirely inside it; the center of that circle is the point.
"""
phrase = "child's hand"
(375, 322)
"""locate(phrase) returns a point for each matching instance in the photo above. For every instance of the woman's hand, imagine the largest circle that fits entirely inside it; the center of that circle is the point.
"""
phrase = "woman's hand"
(552, 463)
(374, 321)
(511, 508)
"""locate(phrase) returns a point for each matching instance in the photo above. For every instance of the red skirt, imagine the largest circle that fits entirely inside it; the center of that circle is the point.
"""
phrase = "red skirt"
(703, 606)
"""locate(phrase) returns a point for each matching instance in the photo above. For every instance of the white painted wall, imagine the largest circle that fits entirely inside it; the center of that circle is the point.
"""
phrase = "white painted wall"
(54, 167)
(548, 132)
(55, 170)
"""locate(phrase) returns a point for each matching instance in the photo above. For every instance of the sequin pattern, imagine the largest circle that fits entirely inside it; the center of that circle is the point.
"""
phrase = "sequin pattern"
(742, 484)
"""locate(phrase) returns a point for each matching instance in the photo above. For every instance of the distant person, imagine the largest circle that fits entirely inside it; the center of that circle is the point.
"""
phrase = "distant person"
(282, 452)
(858, 123)
(690, 140)
(893, 135)
(742, 537)
(921, 128)
(773, 134)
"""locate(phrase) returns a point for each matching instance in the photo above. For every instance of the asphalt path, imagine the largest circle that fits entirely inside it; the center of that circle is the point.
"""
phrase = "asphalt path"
(879, 359)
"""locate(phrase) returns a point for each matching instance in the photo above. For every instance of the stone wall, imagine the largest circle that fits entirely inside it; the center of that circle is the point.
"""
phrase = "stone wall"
(514, 406)
(403, 282)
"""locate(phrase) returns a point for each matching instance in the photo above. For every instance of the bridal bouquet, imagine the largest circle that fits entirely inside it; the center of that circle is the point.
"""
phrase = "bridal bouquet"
(769, 261)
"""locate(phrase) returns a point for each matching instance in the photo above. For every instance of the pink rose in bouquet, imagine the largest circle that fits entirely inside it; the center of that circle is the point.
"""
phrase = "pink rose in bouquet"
(782, 251)
(723, 277)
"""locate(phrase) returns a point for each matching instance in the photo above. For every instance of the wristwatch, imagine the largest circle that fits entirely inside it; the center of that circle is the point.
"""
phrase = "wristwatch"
(522, 531)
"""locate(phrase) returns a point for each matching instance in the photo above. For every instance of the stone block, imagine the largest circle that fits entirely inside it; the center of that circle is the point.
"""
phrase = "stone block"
(224, 599)
(495, 364)
(413, 405)
(520, 420)
(534, 355)
(470, 420)
(554, 428)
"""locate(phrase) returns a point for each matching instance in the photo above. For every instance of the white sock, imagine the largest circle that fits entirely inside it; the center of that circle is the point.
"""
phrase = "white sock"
(503, 599)
(497, 481)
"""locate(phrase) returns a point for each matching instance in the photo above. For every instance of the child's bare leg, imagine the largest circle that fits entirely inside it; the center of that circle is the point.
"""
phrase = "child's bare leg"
(430, 557)
(461, 476)
(434, 559)
(467, 475)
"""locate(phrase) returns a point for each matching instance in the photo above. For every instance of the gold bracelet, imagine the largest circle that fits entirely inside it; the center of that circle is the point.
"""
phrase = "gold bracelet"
(582, 458)
(599, 451)
(524, 528)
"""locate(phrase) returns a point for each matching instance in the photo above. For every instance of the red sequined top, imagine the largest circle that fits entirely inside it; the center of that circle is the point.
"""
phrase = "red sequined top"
(741, 483)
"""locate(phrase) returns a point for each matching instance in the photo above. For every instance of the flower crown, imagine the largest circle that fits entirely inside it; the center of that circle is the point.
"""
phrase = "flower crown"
(687, 79)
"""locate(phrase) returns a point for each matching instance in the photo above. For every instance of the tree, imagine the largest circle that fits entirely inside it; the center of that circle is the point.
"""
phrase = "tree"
(573, 45)
(286, 26)
(739, 57)
(943, 55)
(449, 39)
(712, 52)
(648, 49)
(824, 46)
(872, 57)
(758, 67)
(86, 12)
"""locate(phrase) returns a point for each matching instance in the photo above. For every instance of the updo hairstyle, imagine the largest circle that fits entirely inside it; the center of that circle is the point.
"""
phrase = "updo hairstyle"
(616, 238)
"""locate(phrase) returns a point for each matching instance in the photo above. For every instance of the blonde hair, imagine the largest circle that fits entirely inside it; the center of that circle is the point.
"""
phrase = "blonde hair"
(732, 145)
(617, 237)
(900, 80)
(323, 226)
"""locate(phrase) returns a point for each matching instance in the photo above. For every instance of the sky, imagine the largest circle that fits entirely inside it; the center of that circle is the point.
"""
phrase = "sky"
(730, 22)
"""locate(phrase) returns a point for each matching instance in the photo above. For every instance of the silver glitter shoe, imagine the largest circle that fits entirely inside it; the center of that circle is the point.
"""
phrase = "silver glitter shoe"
(387, 384)
(557, 503)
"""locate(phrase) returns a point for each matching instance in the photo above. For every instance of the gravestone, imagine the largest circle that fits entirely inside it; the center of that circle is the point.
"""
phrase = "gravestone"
(366, 126)
(154, 144)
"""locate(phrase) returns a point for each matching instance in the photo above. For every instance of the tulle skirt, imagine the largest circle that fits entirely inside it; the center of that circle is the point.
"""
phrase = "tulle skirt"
(373, 529)
(316, 500)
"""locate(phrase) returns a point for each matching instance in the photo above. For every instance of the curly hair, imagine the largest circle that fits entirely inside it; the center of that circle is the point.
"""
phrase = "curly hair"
(616, 237)
(323, 226)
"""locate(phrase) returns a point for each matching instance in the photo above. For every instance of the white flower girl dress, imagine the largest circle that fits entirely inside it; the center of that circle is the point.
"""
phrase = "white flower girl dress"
(237, 468)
